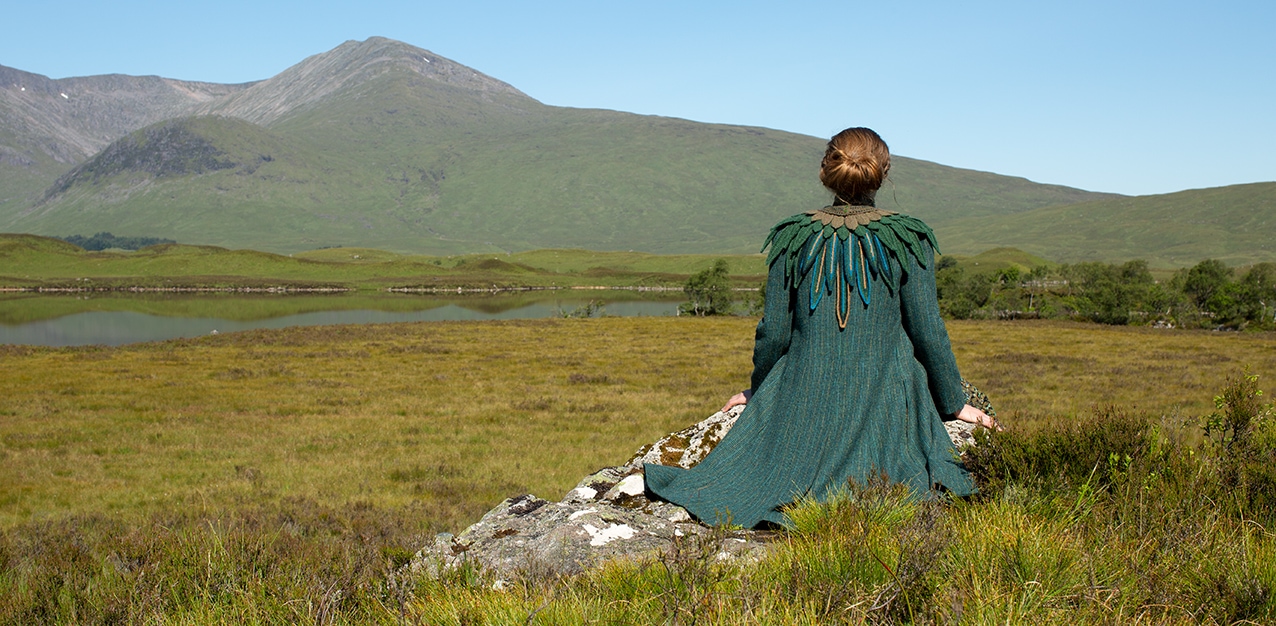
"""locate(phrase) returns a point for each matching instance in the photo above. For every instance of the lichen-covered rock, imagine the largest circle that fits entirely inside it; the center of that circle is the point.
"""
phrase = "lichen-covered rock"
(527, 535)
(608, 516)
(688, 446)
(962, 433)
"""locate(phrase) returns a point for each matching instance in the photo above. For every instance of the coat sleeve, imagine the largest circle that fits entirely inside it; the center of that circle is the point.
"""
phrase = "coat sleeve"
(919, 305)
(776, 328)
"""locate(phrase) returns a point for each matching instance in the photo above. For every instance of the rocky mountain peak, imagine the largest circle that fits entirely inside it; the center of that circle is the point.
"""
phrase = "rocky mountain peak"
(349, 64)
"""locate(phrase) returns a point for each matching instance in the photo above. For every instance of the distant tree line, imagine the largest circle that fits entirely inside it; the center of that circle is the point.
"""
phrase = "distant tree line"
(1207, 295)
(107, 241)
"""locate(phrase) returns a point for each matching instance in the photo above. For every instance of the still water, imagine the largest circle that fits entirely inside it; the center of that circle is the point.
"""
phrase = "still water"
(115, 320)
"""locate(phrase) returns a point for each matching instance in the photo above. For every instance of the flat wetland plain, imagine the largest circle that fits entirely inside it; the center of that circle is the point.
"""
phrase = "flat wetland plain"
(452, 417)
(428, 425)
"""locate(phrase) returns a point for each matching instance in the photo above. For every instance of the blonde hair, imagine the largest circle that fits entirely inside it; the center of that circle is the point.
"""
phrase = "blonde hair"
(855, 164)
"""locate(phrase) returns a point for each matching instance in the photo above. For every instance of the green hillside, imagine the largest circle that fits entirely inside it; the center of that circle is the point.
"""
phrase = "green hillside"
(206, 180)
(23, 178)
(378, 144)
(1236, 224)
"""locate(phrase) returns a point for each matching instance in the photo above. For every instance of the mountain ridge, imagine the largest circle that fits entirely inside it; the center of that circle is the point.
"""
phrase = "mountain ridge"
(49, 125)
(71, 110)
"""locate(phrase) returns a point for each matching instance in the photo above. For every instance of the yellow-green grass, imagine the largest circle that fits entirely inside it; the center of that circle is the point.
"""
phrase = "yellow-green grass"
(457, 416)
(1042, 370)
(25, 307)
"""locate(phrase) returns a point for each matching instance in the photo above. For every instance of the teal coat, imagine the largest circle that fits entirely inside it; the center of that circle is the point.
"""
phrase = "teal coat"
(852, 372)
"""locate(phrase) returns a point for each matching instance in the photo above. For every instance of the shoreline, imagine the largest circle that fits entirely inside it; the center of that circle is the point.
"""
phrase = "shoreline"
(404, 290)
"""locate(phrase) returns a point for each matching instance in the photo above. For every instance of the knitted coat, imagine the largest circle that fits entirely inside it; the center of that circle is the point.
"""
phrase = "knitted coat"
(852, 371)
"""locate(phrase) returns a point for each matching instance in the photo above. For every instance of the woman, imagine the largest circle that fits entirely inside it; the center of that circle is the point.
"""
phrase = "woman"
(853, 371)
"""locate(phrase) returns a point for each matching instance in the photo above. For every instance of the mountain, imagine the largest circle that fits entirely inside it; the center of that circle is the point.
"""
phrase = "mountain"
(377, 143)
(1235, 224)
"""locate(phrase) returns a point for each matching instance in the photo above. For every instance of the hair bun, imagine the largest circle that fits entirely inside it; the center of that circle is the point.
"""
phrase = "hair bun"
(855, 164)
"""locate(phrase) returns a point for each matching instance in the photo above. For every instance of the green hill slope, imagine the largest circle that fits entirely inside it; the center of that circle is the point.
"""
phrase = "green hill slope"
(384, 145)
(1236, 224)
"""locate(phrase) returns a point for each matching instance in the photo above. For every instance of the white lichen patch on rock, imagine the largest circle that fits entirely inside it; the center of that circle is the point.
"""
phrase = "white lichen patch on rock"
(584, 493)
(602, 537)
(577, 514)
(628, 487)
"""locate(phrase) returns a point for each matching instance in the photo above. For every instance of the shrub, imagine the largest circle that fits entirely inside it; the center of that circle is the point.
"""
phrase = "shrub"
(709, 291)
(1241, 448)
(1097, 450)
(106, 241)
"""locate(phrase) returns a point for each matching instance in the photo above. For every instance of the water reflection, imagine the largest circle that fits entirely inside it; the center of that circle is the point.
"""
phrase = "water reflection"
(115, 320)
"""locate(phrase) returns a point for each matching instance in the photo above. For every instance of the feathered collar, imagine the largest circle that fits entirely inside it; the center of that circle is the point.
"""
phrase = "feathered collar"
(848, 247)
(849, 215)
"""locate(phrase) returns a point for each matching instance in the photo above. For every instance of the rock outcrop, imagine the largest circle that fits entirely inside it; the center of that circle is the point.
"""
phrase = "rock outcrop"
(608, 516)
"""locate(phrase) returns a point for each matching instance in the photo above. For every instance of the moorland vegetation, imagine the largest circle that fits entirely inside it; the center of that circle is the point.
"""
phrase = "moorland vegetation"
(287, 475)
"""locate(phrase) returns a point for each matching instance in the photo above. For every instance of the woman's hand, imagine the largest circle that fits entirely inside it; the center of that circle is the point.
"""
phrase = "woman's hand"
(738, 399)
(974, 416)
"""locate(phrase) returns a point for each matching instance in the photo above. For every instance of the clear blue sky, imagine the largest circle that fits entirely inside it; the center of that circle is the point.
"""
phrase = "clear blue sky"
(1129, 97)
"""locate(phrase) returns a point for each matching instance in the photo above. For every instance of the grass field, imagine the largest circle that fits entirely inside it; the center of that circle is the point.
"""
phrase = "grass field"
(367, 439)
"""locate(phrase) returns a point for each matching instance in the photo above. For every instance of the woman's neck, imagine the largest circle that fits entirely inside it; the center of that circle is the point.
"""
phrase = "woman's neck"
(867, 198)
